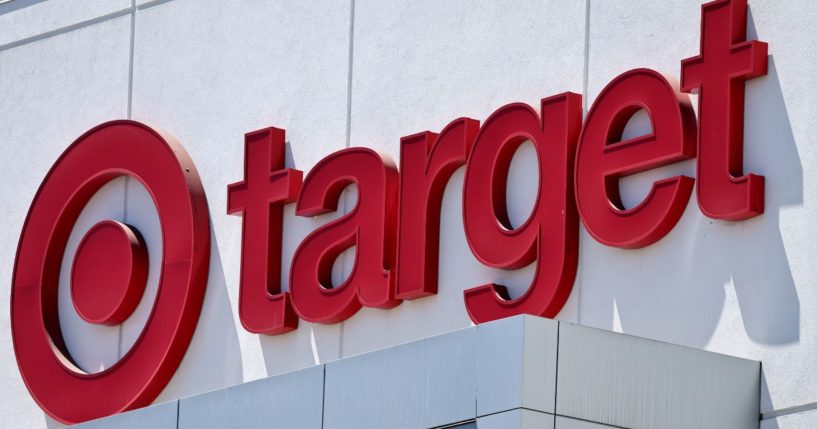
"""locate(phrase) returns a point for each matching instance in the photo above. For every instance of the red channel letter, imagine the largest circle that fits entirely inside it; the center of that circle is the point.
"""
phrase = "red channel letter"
(726, 62)
(260, 200)
(602, 159)
(550, 235)
(371, 226)
(427, 161)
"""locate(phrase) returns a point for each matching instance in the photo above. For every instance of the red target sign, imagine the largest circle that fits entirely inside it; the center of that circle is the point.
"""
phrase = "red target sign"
(394, 226)
(109, 272)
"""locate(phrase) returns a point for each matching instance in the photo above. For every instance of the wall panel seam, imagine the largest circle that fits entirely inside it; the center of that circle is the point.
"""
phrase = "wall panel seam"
(323, 398)
(349, 73)
(556, 371)
(585, 84)
(65, 29)
(130, 59)
(345, 201)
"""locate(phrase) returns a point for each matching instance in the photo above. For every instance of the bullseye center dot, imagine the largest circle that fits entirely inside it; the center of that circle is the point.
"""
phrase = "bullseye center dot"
(109, 273)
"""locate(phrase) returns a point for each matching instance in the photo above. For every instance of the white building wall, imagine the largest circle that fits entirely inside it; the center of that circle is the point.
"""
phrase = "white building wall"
(365, 73)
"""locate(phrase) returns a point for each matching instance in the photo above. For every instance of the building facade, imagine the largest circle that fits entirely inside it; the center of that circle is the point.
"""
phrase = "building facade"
(365, 74)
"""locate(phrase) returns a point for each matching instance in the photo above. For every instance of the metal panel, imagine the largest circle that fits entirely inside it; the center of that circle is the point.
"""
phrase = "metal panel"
(424, 384)
(636, 383)
(293, 400)
(161, 416)
(516, 419)
(517, 365)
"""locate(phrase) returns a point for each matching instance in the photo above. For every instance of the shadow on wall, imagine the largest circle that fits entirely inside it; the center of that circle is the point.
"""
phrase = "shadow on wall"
(370, 328)
(766, 401)
(310, 344)
(676, 289)
(213, 359)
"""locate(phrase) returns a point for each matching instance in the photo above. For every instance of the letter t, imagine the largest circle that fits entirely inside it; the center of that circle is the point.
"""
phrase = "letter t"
(719, 74)
(260, 199)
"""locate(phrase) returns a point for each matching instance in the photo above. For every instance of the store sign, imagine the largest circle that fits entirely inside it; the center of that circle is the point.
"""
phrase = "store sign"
(395, 225)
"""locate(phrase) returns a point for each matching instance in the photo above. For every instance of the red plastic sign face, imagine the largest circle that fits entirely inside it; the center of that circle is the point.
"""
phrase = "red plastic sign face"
(719, 74)
(602, 159)
(108, 151)
(550, 236)
(262, 307)
(427, 161)
(371, 226)
(109, 273)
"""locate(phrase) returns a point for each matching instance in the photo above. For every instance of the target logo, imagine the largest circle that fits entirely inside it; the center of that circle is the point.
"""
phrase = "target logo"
(394, 226)
(109, 272)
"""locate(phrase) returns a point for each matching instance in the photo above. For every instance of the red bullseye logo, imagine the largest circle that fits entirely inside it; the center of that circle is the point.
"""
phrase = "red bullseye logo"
(109, 272)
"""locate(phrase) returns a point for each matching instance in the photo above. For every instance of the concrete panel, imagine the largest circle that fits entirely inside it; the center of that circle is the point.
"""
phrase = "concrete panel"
(427, 383)
(293, 400)
(632, 382)
(516, 419)
(51, 92)
(21, 19)
(801, 420)
(736, 288)
(568, 423)
(517, 365)
(419, 65)
(210, 71)
(160, 416)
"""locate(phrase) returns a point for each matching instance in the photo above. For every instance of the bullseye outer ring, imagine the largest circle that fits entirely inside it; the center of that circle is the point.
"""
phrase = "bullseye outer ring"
(160, 163)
